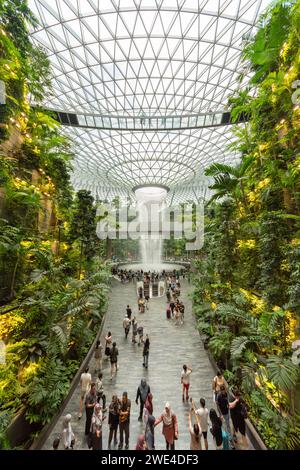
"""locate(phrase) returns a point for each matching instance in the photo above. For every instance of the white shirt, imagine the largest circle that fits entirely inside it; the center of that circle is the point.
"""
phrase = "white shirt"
(85, 381)
(126, 322)
(185, 376)
(203, 417)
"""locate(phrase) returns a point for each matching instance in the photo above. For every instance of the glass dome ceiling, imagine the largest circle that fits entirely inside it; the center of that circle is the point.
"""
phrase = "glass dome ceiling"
(145, 58)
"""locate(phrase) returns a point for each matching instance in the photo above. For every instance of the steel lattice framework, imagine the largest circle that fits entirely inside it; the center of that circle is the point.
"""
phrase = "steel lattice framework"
(136, 58)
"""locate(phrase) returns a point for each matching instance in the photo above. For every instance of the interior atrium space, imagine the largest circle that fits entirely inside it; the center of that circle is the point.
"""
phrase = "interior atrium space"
(149, 229)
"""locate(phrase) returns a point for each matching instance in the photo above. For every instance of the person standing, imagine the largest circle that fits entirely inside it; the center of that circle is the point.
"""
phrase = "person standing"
(85, 385)
(216, 428)
(195, 431)
(126, 325)
(128, 312)
(67, 433)
(170, 426)
(148, 407)
(223, 406)
(98, 356)
(238, 413)
(96, 428)
(113, 360)
(149, 432)
(185, 381)
(134, 329)
(100, 391)
(124, 421)
(141, 394)
(90, 403)
(146, 350)
(113, 420)
(217, 382)
(203, 413)
(108, 344)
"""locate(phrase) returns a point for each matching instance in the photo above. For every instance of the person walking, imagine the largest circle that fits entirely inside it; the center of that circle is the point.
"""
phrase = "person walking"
(113, 420)
(124, 421)
(126, 325)
(148, 407)
(128, 312)
(113, 360)
(141, 394)
(149, 432)
(134, 329)
(90, 403)
(100, 391)
(223, 407)
(185, 381)
(203, 414)
(67, 433)
(96, 428)
(98, 356)
(146, 350)
(217, 382)
(195, 431)
(170, 426)
(85, 385)
(172, 307)
(140, 332)
(238, 413)
(108, 344)
(216, 428)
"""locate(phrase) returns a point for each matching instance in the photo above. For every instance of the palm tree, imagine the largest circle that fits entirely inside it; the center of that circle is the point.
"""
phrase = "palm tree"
(229, 180)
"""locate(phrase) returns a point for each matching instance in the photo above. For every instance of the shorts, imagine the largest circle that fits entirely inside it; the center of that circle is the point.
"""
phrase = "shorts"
(204, 434)
(186, 387)
(82, 394)
(239, 425)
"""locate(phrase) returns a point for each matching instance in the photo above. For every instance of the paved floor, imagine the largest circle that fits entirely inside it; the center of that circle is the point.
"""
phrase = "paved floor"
(171, 347)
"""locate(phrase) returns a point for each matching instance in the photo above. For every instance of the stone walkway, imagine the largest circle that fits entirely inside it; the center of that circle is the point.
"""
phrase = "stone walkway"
(171, 347)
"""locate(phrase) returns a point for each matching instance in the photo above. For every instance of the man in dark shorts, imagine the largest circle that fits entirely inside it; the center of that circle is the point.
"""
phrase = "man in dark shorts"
(203, 414)
(238, 415)
(128, 312)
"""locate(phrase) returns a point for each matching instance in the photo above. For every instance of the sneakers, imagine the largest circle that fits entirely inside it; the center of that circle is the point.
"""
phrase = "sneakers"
(127, 447)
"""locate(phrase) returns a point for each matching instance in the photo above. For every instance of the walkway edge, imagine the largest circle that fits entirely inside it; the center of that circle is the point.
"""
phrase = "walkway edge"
(47, 429)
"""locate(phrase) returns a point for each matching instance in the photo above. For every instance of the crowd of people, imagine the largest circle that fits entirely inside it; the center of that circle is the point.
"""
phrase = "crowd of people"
(129, 275)
(224, 420)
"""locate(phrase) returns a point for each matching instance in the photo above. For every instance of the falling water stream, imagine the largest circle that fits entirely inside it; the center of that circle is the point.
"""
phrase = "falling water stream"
(150, 203)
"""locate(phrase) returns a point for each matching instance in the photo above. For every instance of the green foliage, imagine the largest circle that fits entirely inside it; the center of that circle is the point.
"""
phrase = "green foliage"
(47, 391)
(247, 286)
(5, 418)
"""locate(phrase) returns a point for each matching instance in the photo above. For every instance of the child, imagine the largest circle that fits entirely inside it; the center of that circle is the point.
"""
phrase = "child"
(100, 391)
